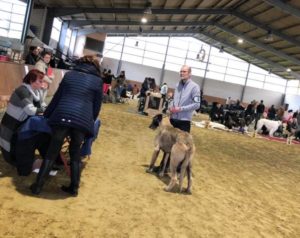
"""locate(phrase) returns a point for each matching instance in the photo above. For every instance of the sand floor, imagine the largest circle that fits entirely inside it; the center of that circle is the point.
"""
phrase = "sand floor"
(243, 187)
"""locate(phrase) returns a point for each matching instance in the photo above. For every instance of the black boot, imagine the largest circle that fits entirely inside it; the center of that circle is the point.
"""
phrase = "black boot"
(75, 179)
(43, 173)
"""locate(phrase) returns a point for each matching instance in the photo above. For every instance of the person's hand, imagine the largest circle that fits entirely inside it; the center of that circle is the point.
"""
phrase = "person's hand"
(175, 109)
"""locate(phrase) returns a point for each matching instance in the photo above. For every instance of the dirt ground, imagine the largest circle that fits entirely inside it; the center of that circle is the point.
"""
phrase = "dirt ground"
(242, 187)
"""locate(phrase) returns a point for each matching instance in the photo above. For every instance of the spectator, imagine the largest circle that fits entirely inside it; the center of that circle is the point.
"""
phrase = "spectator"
(33, 55)
(217, 113)
(272, 113)
(164, 91)
(24, 102)
(228, 103)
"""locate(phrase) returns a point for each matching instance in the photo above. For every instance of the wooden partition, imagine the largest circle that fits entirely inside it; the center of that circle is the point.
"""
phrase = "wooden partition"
(12, 74)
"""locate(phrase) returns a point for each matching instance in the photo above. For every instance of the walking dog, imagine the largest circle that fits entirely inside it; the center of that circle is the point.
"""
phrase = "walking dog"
(176, 144)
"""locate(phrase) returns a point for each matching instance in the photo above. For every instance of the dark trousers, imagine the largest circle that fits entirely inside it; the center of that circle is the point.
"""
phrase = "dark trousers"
(25, 152)
(182, 125)
(59, 133)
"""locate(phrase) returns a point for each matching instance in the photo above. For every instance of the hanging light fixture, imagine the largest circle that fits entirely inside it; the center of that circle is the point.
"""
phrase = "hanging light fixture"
(148, 9)
(269, 36)
(221, 49)
(240, 40)
(144, 20)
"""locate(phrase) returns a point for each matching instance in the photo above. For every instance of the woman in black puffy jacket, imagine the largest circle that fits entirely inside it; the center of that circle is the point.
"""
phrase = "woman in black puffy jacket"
(72, 112)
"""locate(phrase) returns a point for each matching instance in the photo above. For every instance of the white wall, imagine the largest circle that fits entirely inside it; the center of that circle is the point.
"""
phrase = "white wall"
(269, 97)
(133, 71)
(222, 89)
(293, 101)
(213, 88)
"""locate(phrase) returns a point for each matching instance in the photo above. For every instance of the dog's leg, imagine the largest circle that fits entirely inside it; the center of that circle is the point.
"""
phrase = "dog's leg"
(271, 132)
(189, 177)
(173, 169)
(165, 161)
(183, 170)
(153, 160)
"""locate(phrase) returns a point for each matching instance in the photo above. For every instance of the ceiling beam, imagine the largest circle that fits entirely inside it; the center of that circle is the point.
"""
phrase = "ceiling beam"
(254, 56)
(259, 44)
(137, 32)
(284, 7)
(59, 12)
(81, 23)
(266, 28)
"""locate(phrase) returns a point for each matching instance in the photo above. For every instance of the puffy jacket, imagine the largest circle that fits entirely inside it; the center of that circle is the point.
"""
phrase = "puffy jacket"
(77, 101)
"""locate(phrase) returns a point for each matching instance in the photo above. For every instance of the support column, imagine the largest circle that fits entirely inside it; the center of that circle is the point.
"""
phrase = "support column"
(62, 39)
(162, 72)
(206, 68)
(243, 91)
(284, 95)
(26, 20)
(120, 61)
(73, 38)
(48, 26)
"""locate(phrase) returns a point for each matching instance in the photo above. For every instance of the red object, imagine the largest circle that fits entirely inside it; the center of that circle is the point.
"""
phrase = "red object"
(4, 58)
(50, 71)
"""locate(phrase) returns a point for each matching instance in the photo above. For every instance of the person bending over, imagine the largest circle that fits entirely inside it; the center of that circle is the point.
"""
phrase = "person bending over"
(72, 112)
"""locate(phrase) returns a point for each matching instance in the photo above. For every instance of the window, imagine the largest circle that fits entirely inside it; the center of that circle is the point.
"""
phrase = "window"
(274, 87)
(254, 83)
(156, 48)
(56, 29)
(176, 52)
(258, 77)
(12, 14)
(198, 72)
(215, 68)
(132, 58)
(155, 56)
(113, 54)
(218, 60)
(275, 79)
(236, 72)
(214, 75)
(152, 63)
(290, 90)
(176, 60)
(238, 65)
(133, 51)
(235, 79)
(173, 67)
(196, 64)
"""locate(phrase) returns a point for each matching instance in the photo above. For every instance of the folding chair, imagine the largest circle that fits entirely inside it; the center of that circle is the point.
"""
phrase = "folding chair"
(64, 152)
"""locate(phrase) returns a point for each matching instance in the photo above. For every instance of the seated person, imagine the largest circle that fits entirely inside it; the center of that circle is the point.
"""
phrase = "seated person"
(33, 55)
(217, 113)
(24, 102)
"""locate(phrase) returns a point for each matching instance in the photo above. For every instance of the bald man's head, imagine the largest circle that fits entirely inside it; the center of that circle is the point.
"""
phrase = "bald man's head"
(185, 72)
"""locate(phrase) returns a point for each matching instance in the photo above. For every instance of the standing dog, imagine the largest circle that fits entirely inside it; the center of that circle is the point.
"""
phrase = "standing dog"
(179, 145)
(271, 126)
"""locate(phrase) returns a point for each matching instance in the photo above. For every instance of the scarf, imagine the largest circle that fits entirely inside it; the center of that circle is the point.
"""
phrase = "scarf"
(35, 93)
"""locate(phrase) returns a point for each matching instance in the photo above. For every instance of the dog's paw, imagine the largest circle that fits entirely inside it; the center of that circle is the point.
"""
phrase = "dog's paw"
(161, 174)
(166, 189)
(149, 170)
(187, 191)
